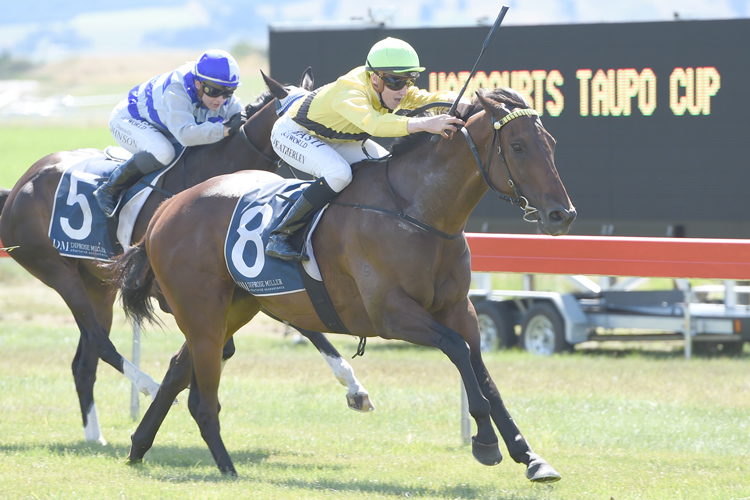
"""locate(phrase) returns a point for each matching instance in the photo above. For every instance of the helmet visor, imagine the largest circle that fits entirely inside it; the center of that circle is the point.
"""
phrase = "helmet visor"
(212, 89)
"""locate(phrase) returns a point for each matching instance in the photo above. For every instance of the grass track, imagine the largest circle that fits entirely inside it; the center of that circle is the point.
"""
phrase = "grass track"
(616, 424)
(622, 425)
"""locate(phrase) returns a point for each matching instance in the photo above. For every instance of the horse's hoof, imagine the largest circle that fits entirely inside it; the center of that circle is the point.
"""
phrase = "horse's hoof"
(228, 471)
(360, 402)
(97, 440)
(486, 454)
(539, 471)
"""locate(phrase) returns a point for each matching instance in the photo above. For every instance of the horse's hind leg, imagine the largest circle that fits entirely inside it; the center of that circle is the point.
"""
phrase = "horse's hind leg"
(102, 296)
(175, 380)
(84, 367)
(357, 396)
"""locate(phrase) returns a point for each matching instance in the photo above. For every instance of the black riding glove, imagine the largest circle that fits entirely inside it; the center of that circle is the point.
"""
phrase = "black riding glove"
(235, 122)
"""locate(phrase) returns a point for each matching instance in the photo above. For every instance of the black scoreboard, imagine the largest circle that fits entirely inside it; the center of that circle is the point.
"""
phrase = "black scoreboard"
(652, 120)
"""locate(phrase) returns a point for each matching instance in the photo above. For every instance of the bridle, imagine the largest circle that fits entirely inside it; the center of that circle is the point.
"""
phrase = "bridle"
(531, 214)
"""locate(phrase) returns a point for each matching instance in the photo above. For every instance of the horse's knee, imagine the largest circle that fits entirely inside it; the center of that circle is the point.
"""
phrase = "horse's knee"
(454, 345)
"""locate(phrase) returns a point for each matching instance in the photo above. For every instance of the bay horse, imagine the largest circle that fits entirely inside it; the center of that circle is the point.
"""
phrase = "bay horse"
(84, 285)
(391, 250)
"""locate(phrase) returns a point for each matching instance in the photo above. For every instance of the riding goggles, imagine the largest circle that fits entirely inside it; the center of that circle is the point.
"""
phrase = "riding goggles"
(213, 90)
(396, 82)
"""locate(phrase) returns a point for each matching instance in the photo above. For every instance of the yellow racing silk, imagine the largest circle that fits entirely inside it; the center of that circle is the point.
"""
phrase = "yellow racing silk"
(349, 109)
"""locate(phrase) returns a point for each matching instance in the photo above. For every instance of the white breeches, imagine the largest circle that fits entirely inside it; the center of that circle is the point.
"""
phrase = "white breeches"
(138, 135)
(318, 157)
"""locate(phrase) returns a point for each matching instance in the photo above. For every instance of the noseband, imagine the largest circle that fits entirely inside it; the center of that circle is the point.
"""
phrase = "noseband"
(531, 214)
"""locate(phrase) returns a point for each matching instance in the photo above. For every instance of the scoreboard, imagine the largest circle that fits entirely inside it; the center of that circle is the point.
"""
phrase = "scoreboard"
(652, 120)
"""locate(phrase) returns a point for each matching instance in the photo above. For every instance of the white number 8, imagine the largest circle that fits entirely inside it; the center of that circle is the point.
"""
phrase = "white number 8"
(251, 235)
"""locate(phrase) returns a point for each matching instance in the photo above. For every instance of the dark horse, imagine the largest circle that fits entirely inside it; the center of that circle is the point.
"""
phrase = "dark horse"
(83, 284)
(391, 250)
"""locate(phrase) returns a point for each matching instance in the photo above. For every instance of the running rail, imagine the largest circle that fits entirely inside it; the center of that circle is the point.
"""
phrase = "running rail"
(722, 259)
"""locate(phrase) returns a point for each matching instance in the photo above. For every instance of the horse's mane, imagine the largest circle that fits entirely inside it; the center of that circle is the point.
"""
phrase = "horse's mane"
(502, 95)
(260, 101)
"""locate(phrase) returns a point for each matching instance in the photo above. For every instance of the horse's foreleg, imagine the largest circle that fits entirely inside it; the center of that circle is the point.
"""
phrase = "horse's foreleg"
(404, 319)
(537, 469)
(357, 396)
(175, 380)
(463, 318)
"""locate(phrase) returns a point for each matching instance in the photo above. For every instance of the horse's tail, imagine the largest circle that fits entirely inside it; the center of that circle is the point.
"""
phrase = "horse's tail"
(3, 198)
(135, 279)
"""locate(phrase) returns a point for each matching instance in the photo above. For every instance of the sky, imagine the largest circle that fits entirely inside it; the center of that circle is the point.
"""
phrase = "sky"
(54, 29)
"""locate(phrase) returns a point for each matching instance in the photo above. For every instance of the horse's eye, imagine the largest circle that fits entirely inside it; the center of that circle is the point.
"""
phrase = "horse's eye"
(517, 147)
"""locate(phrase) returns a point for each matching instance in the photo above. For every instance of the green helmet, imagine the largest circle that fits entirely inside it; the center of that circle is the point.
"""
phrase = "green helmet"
(395, 56)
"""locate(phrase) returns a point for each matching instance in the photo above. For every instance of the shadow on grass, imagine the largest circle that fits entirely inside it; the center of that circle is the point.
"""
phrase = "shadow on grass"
(191, 464)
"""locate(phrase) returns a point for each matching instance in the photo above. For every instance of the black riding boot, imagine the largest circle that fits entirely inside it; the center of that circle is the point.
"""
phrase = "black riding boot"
(285, 242)
(124, 176)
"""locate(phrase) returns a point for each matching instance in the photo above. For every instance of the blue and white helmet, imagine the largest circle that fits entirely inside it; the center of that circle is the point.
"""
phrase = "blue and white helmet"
(218, 66)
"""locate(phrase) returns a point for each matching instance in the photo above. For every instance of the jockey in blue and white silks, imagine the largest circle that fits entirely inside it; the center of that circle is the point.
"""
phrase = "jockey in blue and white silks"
(192, 105)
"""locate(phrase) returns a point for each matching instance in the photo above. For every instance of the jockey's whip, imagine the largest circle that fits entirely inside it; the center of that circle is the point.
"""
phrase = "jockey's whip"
(486, 44)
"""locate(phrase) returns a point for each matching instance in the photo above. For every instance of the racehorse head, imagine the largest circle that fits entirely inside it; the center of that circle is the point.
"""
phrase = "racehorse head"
(519, 163)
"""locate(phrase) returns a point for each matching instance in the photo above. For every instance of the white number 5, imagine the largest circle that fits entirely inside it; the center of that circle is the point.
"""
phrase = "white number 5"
(74, 197)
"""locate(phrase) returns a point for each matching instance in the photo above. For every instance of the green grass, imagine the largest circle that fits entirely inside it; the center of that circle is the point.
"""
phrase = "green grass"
(22, 146)
(624, 425)
(615, 423)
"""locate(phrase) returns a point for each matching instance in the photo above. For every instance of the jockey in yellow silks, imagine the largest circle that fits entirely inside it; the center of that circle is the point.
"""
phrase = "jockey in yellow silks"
(323, 133)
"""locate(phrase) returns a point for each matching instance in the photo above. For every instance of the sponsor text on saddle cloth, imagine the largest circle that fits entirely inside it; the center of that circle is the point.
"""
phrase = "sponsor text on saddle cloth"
(78, 227)
(257, 213)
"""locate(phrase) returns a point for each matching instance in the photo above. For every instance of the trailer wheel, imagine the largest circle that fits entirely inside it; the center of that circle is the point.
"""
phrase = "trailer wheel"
(496, 326)
(543, 330)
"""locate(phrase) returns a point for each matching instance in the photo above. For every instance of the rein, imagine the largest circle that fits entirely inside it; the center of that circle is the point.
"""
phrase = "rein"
(255, 148)
(387, 159)
(520, 200)
(400, 214)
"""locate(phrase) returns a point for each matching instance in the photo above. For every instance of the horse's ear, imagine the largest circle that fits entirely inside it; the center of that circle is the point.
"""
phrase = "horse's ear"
(489, 105)
(275, 87)
(306, 82)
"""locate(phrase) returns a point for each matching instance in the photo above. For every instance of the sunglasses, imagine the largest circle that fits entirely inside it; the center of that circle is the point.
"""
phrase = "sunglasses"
(212, 90)
(396, 82)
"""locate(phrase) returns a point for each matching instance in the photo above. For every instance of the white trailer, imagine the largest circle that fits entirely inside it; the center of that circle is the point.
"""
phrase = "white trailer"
(548, 322)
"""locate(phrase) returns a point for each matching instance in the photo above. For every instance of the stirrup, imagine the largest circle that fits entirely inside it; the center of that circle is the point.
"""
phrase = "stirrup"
(106, 201)
(279, 247)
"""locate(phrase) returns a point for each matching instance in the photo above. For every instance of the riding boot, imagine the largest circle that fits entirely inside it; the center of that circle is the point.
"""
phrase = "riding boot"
(286, 240)
(124, 176)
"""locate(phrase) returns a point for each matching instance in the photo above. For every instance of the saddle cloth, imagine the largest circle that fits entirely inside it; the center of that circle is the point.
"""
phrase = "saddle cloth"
(78, 227)
(257, 213)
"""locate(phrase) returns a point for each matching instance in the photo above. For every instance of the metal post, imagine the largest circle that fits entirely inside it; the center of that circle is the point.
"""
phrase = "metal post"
(688, 323)
(730, 294)
(135, 408)
(465, 418)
